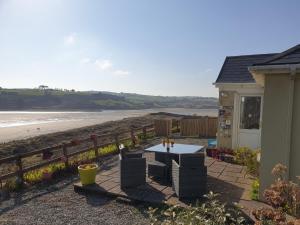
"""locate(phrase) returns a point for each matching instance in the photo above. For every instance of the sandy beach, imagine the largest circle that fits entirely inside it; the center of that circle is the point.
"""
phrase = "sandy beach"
(23, 125)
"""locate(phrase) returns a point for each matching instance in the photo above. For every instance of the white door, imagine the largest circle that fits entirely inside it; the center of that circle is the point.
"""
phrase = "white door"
(249, 127)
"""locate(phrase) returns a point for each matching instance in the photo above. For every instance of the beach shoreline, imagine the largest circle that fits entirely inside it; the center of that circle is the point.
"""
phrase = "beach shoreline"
(55, 138)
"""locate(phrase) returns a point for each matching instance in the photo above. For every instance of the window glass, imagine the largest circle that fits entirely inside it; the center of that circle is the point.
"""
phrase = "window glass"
(250, 112)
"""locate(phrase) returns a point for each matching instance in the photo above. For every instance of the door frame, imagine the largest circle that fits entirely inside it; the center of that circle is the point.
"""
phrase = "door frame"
(237, 114)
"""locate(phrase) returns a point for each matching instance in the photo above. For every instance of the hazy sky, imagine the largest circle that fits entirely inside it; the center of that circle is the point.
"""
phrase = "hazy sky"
(157, 47)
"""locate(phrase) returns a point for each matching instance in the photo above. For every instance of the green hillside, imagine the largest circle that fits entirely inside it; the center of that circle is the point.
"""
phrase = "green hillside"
(57, 99)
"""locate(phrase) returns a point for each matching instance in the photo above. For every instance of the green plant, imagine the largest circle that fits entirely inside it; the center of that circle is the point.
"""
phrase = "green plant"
(58, 169)
(255, 190)
(212, 212)
(12, 184)
(284, 196)
(247, 157)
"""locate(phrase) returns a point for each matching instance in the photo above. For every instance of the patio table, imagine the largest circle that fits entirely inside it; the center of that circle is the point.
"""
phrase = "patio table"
(174, 152)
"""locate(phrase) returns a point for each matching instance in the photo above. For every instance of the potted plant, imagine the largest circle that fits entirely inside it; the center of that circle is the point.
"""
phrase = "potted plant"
(46, 175)
(209, 152)
(87, 173)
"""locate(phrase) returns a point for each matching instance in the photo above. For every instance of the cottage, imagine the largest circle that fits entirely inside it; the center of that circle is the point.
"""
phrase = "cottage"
(260, 108)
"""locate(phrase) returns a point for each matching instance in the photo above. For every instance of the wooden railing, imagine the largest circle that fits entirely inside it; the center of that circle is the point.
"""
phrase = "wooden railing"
(115, 138)
(93, 140)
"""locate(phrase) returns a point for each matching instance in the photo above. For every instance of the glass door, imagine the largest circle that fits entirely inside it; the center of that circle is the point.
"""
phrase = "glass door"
(250, 122)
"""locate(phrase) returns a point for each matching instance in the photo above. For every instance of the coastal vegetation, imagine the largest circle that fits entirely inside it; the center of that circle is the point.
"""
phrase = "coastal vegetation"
(44, 98)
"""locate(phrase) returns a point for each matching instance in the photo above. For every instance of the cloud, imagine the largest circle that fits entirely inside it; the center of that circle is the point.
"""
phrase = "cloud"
(70, 39)
(121, 72)
(208, 70)
(85, 60)
(103, 64)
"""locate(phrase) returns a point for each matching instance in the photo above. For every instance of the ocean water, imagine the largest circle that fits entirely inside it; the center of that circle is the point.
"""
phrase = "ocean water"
(23, 118)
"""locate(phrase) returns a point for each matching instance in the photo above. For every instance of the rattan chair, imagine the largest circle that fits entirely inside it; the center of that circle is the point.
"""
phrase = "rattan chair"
(158, 170)
(189, 176)
(132, 171)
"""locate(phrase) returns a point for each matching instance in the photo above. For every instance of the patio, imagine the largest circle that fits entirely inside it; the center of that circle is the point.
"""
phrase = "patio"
(228, 180)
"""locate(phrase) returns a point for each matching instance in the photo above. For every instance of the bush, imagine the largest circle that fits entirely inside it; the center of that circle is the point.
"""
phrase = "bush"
(255, 190)
(210, 213)
(283, 196)
(247, 157)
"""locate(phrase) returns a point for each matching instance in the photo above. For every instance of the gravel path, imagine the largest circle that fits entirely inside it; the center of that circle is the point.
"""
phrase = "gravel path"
(59, 204)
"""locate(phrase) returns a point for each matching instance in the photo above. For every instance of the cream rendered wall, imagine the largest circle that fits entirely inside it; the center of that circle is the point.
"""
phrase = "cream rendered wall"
(276, 127)
(295, 143)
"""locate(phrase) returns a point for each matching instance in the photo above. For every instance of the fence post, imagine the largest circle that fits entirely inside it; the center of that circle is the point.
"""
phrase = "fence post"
(132, 136)
(206, 126)
(95, 142)
(117, 142)
(145, 132)
(65, 153)
(177, 125)
(20, 169)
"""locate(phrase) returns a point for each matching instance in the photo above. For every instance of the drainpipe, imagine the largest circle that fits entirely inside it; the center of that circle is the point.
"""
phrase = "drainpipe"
(290, 116)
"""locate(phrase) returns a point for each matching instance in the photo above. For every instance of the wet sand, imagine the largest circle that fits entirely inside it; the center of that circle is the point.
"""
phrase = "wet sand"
(23, 125)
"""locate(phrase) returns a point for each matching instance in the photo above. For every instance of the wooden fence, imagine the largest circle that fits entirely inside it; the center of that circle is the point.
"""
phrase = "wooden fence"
(18, 160)
(163, 127)
(203, 126)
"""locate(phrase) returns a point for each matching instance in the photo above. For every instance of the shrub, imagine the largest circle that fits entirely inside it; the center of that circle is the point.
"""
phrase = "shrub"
(255, 190)
(283, 196)
(247, 157)
(57, 169)
(210, 213)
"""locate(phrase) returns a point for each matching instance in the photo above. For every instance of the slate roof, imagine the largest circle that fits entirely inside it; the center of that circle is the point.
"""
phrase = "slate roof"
(290, 56)
(235, 68)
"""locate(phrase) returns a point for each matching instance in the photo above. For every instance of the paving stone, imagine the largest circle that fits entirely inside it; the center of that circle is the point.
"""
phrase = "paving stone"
(245, 181)
(233, 169)
(101, 179)
(227, 178)
(107, 185)
(213, 174)
(115, 179)
(232, 174)
(168, 191)
(216, 169)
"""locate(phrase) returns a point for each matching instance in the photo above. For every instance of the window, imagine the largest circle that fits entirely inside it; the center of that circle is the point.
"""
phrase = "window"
(250, 112)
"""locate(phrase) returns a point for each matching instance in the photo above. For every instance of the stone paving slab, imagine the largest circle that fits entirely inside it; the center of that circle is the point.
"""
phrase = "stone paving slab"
(228, 180)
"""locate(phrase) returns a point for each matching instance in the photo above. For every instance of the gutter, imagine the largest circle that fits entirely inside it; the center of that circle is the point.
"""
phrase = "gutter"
(259, 72)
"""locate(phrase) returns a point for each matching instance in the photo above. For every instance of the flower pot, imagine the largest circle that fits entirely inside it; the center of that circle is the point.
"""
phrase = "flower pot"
(209, 152)
(87, 173)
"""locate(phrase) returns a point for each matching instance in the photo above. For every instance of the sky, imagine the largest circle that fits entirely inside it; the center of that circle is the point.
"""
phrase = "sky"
(157, 47)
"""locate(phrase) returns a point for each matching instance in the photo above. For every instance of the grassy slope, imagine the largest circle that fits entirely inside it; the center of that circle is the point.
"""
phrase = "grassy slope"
(24, 99)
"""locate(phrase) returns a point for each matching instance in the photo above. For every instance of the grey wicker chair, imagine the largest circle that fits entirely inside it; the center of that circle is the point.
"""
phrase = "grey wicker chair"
(158, 170)
(132, 171)
(189, 176)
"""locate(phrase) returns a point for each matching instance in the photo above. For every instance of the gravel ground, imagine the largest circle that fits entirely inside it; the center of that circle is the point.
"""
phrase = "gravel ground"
(59, 204)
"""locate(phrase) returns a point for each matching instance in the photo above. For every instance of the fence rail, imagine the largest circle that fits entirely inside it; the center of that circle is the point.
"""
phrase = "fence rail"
(93, 139)
(187, 127)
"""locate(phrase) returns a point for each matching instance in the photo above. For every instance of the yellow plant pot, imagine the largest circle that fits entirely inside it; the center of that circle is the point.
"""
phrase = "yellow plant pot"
(87, 173)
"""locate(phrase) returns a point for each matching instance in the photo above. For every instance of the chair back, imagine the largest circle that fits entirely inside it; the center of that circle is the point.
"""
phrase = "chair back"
(192, 160)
